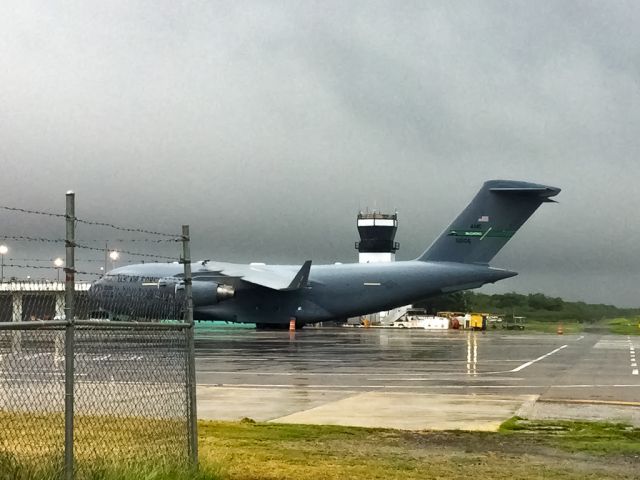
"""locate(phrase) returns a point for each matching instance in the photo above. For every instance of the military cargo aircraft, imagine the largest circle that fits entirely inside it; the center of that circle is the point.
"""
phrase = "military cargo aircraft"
(272, 295)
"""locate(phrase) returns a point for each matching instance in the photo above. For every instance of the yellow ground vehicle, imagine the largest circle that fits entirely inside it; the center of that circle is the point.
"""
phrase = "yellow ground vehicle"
(478, 321)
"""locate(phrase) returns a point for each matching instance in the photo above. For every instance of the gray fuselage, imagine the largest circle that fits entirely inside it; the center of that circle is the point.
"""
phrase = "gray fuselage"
(332, 292)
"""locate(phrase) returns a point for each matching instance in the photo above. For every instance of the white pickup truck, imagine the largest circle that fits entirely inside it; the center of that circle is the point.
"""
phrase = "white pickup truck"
(420, 319)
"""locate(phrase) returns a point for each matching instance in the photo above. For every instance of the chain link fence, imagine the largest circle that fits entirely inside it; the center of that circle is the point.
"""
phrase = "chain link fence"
(130, 381)
(89, 382)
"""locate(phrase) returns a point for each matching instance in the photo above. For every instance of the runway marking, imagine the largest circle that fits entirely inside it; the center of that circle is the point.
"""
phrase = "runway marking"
(405, 387)
(432, 379)
(635, 372)
(437, 375)
(528, 364)
(588, 402)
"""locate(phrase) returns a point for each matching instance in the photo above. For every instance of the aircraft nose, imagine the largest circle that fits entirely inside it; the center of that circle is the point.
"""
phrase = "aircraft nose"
(95, 288)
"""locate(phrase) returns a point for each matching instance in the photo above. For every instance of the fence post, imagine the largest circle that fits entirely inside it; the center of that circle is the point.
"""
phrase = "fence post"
(69, 336)
(191, 362)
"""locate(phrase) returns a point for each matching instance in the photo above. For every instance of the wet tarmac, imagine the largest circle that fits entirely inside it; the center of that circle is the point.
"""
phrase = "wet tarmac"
(386, 377)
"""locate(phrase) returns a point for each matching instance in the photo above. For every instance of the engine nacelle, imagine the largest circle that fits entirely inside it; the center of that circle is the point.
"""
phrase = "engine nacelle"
(209, 293)
(170, 286)
(204, 292)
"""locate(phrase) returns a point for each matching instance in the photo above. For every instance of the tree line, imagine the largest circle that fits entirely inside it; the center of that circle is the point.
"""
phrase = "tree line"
(535, 306)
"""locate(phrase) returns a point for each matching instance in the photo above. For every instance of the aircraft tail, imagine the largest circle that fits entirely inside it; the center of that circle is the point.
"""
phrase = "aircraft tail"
(494, 215)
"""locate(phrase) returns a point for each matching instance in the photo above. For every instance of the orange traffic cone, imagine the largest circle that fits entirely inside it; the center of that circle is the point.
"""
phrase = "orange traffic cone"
(560, 330)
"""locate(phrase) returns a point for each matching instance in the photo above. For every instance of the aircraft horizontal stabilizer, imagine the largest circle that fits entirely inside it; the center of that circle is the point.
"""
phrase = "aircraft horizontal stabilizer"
(542, 191)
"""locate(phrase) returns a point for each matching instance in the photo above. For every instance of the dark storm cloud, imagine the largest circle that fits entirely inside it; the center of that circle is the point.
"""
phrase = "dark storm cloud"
(266, 126)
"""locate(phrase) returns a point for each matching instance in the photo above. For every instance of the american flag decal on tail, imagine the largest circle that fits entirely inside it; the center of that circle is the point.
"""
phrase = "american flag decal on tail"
(483, 218)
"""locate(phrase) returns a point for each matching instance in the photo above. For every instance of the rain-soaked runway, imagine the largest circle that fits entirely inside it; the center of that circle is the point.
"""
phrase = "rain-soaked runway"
(321, 375)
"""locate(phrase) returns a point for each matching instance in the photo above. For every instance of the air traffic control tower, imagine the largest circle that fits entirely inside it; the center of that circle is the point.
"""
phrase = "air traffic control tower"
(377, 244)
(377, 237)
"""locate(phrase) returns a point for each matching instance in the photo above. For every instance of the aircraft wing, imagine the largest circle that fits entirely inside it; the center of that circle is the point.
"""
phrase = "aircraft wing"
(276, 277)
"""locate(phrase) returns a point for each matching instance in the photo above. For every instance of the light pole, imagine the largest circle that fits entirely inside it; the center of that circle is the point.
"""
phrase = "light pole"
(58, 262)
(3, 251)
(113, 255)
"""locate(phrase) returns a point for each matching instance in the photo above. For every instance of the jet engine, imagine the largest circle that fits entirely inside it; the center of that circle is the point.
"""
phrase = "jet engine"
(204, 292)
(209, 293)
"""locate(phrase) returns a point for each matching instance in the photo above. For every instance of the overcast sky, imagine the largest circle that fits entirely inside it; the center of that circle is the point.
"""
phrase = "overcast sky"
(266, 126)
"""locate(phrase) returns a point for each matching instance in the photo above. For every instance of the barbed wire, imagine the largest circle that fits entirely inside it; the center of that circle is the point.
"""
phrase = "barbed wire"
(78, 260)
(43, 267)
(23, 238)
(11, 259)
(95, 274)
(90, 222)
(133, 240)
(126, 229)
(136, 254)
(35, 212)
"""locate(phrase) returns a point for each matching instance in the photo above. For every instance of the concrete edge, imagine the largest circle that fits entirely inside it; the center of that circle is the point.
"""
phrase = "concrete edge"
(526, 409)
(570, 401)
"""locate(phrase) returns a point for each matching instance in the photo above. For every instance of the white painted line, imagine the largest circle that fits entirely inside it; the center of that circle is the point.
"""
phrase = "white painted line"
(634, 372)
(400, 387)
(428, 379)
(634, 364)
(528, 364)
(579, 338)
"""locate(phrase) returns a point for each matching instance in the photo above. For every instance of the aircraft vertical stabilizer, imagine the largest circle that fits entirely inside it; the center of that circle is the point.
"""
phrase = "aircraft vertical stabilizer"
(495, 214)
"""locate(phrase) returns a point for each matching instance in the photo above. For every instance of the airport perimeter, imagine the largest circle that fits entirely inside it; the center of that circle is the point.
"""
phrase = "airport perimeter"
(414, 379)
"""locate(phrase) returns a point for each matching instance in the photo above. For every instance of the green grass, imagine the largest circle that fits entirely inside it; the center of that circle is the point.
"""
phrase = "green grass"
(52, 469)
(106, 448)
(592, 437)
(618, 326)
(568, 327)
(624, 326)
(249, 450)
(36, 435)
